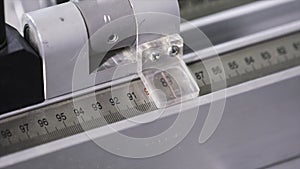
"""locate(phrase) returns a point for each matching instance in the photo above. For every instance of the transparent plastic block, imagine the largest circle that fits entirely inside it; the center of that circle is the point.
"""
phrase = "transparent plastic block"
(164, 73)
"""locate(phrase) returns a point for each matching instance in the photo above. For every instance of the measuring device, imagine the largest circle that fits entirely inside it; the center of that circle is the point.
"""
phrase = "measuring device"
(66, 118)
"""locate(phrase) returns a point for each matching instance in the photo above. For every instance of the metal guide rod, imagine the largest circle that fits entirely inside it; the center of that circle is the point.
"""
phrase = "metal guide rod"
(120, 102)
(191, 9)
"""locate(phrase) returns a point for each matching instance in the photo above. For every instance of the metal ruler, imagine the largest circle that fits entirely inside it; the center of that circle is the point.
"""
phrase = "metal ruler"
(94, 110)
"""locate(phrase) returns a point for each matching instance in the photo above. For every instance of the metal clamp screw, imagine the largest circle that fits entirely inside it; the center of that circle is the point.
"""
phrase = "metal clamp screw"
(173, 50)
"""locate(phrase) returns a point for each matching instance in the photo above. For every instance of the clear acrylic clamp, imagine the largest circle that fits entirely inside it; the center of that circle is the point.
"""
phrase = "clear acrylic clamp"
(164, 73)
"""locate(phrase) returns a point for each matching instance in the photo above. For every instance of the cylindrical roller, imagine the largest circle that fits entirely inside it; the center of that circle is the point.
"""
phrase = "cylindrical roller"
(55, 30)
(111, 25)
(113, 19)
(57, 33)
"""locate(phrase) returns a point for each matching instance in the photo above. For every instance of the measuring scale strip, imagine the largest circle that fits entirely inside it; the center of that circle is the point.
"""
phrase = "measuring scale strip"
(94, 110)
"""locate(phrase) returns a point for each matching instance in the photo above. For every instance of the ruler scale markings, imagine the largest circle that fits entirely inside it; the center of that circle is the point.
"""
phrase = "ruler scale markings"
(143, 103)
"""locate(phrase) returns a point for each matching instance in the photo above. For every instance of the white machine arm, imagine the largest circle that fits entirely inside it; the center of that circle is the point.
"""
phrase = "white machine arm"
(105, 28)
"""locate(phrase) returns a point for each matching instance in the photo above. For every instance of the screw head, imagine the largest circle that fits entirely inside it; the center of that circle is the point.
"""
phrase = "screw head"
(174, 50)
(155, 56)
(113, 39)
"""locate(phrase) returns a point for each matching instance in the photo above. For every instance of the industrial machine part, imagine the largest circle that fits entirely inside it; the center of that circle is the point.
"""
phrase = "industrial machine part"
(15, 10)
(258, 63)
(116, 30)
